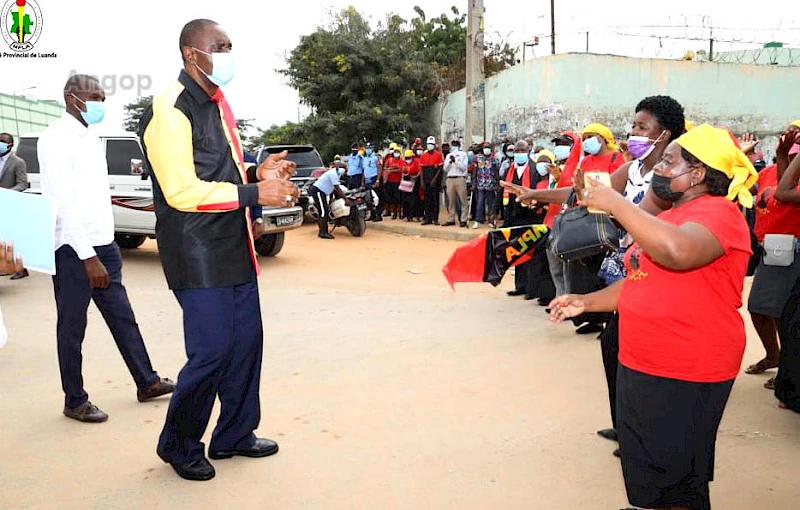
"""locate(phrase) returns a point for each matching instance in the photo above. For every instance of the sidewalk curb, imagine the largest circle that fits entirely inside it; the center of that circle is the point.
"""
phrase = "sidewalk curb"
(428, 231)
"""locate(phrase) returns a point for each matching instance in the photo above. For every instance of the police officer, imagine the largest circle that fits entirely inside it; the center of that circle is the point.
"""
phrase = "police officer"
(321, 191)
(372, 169)
(355, 168)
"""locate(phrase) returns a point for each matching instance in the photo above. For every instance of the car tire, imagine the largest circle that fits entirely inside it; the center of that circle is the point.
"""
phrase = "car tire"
(129, 241)
(270, 245)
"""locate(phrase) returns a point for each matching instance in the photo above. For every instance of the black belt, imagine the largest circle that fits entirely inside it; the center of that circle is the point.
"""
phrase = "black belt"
(457, 177)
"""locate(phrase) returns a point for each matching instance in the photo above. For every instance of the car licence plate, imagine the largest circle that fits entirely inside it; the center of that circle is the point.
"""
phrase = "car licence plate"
(283, 221)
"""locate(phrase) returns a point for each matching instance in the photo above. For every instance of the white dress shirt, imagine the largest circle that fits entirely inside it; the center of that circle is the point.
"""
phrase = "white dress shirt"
(459, 168)
(74, 174)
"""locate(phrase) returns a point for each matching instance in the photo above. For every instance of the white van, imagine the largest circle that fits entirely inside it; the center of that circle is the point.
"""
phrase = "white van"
(132, 194)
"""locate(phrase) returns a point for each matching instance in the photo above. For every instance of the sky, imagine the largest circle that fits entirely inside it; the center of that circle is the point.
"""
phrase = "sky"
(132, 45)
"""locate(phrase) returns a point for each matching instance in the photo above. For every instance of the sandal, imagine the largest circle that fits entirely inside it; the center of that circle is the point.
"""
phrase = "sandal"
(770, 384)
(760, 367)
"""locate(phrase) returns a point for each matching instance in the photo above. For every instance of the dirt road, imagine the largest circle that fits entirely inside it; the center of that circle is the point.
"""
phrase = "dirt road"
(384, 389)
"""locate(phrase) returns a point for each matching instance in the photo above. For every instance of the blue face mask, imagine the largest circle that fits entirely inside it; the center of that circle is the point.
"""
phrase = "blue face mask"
(3, 147)
(369, 152)
(520, 159)
(431, 146)
(95, 111)
(592, 146)
(562, 152)
(470, 154)
(222, 66)
(542, 169)
(453, 149)
(487, 151)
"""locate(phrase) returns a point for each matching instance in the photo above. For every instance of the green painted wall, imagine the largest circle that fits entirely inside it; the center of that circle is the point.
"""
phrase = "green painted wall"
(566, 92)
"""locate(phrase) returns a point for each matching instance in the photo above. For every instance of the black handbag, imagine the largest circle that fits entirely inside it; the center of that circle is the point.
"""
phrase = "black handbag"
(578, 234)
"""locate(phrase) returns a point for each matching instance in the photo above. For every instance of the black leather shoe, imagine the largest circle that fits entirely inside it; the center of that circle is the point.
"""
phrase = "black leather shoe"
(530, 298)
(87, 413)
(198, 470)
(463, 224)
(513, 293)
(426, 222)
(609, 434)
(449, 224)
(544, 302)
(162, 387)
(261, 448)
(20, 275)
(326, 235)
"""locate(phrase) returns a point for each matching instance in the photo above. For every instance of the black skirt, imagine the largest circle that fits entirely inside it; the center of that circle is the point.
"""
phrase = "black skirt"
(667, 433)
(787, 382)
(393, 195)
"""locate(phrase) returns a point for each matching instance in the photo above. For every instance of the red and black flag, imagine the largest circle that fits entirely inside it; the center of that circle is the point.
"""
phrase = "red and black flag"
(487, 258)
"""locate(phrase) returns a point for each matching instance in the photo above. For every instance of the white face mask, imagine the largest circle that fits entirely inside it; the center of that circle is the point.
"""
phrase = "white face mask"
(222, 66)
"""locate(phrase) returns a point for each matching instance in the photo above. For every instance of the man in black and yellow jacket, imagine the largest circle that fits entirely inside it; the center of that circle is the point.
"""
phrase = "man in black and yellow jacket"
(202, 192)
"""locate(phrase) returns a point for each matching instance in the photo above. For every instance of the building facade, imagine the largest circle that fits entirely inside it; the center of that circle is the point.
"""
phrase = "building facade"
(21, 115)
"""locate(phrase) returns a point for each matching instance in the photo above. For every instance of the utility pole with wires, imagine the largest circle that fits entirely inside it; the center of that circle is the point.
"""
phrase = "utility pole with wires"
(475, 26)
(553, 27)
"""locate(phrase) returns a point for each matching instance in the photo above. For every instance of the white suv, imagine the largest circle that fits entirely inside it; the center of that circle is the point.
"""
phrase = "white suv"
(132, 194)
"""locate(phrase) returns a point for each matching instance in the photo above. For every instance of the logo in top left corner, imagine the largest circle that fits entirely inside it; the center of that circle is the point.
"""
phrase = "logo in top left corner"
(21, 24)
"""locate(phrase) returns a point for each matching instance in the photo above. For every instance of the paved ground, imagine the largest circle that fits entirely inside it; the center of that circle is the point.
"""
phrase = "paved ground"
(384, 388)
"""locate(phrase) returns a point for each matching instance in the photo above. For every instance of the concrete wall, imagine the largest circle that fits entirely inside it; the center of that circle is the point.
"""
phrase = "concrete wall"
(556, 93)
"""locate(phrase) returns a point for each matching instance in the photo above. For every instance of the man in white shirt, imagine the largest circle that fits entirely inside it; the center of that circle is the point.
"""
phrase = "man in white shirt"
(74, 174)
(455, 168)
(321, 191)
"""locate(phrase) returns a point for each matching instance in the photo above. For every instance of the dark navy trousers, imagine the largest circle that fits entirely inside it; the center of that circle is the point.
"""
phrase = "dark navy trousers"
(224, 343)
(73, 292)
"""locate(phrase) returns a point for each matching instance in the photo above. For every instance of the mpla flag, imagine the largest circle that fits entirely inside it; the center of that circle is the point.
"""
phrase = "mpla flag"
(487, 258)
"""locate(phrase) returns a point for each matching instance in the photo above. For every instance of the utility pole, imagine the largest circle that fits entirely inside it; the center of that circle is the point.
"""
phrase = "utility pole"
(474, 62)
(553, 27)
(711, 47)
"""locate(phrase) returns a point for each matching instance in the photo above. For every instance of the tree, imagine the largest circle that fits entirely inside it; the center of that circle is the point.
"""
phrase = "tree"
(378, 82)
(135, 111)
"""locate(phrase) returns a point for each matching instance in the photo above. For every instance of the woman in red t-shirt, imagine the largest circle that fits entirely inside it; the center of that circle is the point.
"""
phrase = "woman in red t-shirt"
(772, 285)
(392, 175)
(787, 382)
(681, 337)
(410, 169)
(602, 152)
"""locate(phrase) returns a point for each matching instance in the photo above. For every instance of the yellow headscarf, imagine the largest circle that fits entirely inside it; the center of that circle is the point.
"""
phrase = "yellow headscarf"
(603, 131)
(796, 123)
(715, 148)
(546, 153)
(689, 125)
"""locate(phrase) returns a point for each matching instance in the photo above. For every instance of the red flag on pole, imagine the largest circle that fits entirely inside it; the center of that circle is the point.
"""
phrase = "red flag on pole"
(487, 258)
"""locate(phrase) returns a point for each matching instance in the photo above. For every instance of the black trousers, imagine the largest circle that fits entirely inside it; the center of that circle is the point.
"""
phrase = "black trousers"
(321, 200)
(354, 181)
(609, 348)
(224, 343)
(73, 292)
(432, 203)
